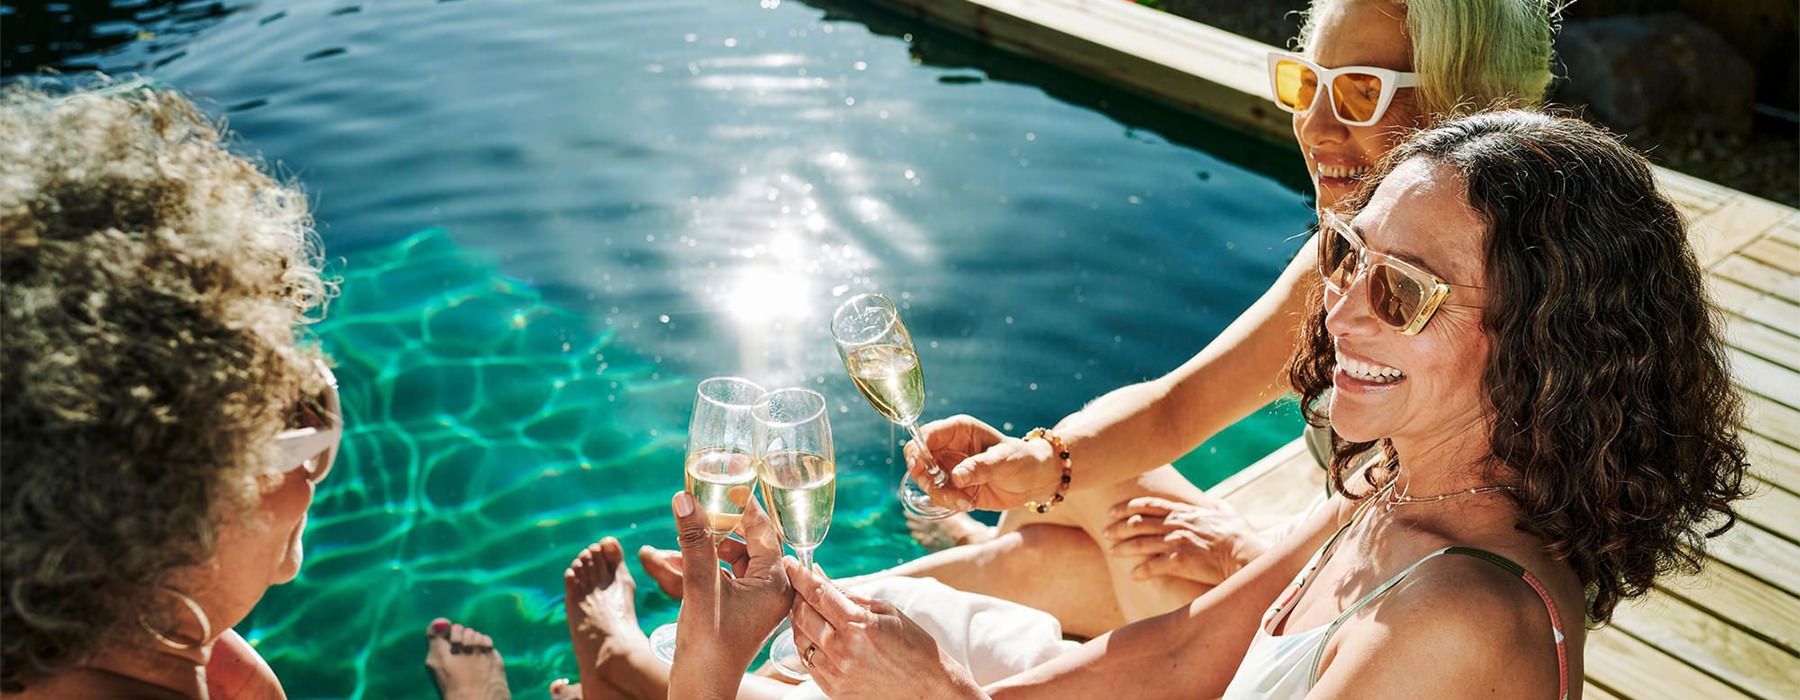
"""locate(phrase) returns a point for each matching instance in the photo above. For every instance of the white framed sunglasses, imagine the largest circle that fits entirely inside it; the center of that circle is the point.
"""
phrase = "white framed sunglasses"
(1358, 95)
(312, 444)
(1401, 294)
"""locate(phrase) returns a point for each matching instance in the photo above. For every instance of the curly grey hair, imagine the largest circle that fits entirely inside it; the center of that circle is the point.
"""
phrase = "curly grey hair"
(152, 284)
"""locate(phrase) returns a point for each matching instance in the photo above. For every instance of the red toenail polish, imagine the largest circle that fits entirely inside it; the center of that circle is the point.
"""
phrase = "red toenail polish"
(440, 626)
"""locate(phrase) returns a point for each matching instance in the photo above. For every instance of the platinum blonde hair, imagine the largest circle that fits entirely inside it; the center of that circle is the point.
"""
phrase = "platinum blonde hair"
(1473, 55)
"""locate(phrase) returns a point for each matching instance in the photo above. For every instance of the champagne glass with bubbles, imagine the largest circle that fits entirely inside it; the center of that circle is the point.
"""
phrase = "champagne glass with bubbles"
(879, 354)
(794, 462)
(720, 465)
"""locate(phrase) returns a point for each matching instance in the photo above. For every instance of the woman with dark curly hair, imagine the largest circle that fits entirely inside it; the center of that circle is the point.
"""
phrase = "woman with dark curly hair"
(1494, 322)
(164, 430)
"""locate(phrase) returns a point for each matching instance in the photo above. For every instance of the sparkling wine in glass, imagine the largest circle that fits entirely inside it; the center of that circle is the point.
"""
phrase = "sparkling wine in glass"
(878, 352)
(794, 462)
(720, 467)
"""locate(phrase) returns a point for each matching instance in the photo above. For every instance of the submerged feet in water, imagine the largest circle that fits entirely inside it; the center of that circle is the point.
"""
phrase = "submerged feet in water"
(954, 531)
(611, 649)
(464, 663)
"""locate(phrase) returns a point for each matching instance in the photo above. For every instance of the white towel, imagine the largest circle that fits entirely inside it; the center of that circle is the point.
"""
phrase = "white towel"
(993, 638)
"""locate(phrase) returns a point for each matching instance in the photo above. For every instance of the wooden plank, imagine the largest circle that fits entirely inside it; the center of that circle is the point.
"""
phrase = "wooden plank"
(1750, 273)
(1262, 468)
(1771, 507)
(1285, 483)
(1736, 597)
(1774, 253)
(1191, 65)
(1697, 199)
(1735, 223)
(1762, 341)
(1632, 668)
(1589, 691)
(1764, 378)
(1759, 553)
(1772, 420)
(1710, 644)
(1789, 290)
(1776, 311)
(1775, 464)
(1730, 296)
(1788, 231)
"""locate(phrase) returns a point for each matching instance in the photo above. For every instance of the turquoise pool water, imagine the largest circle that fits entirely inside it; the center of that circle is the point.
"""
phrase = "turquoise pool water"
(552, 218)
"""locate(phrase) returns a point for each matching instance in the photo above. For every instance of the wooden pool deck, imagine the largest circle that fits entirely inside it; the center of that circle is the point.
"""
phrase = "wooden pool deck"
(1733, 631)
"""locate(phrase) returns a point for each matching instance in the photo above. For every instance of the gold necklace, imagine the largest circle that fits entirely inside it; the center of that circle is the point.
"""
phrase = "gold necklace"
(1395, 498)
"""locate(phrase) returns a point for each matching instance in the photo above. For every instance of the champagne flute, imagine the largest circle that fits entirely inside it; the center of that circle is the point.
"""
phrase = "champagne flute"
(720, 465)
(879, 354)
(795, 463)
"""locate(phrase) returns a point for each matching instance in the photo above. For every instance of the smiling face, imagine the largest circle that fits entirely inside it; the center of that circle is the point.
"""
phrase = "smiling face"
(1354, 33)
(1426, 385)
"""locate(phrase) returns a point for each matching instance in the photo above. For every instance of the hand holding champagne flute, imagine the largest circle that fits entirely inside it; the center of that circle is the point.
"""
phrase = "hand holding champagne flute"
(795, 462)
(721, 470)
(720, 467)
(878, 352)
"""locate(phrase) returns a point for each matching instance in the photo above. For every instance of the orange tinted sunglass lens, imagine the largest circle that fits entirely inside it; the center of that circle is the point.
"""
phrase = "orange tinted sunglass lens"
(1337, 259)
(1356, 96)
(1395, 296)
(1295, 85)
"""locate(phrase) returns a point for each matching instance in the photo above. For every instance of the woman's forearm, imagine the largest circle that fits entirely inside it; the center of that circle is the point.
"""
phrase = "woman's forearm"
(1137, 428)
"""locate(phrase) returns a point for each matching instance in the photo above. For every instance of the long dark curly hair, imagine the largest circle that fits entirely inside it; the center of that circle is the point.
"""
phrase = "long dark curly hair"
(1607, 380)
(150, 286)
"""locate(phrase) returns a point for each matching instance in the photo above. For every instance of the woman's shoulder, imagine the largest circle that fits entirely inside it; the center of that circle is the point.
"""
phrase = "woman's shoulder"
(234, 671)
(1467, 622)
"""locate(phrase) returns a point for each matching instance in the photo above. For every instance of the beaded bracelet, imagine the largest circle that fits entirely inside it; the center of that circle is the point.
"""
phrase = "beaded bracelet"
(1062, 489)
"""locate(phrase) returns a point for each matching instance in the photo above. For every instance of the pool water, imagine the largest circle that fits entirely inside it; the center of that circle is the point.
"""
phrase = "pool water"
(552, 218)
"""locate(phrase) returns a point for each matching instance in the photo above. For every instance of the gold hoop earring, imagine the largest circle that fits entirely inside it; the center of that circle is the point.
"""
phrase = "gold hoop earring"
(176, 643)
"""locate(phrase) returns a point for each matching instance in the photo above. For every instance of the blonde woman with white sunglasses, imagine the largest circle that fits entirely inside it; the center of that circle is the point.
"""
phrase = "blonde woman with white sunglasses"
(1135, 536)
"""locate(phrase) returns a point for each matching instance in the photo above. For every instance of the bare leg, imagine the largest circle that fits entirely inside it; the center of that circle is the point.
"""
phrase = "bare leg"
(463, 663)
(1055, 562)
(1049, 567)
(611, 650)
(1068, 541)
(1137, 599)
(613, 653)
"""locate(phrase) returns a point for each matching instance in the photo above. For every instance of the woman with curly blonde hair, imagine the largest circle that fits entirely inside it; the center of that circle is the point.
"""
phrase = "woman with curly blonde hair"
(164, 430)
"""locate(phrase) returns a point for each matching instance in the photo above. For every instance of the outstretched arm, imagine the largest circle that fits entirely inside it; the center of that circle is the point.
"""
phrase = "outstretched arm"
(1139, 427)
(1136, 428)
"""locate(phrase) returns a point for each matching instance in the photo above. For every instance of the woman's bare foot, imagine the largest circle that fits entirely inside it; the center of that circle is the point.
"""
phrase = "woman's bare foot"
(562, 689)
(954, 531)
(464, 663)
(611, 649)
(664, 567)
